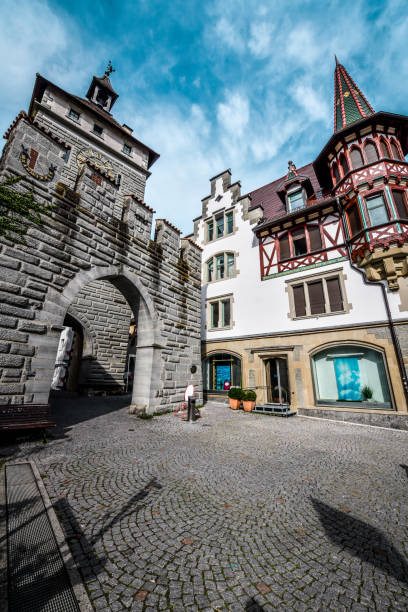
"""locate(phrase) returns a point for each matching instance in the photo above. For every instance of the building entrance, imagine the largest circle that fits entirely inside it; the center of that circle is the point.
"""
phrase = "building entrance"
(277, 380)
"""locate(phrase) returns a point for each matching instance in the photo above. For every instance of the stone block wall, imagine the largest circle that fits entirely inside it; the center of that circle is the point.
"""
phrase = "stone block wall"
(80, 243)
(105, 317)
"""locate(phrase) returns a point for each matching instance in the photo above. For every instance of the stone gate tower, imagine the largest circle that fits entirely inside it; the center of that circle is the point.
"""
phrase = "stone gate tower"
(92, 263)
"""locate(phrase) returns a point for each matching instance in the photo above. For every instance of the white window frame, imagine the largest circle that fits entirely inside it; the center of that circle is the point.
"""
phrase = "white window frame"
(221, 314)
(224, 215)
(215, 277)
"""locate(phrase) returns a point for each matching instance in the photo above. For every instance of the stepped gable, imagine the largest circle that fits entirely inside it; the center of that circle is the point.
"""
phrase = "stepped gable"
(269, 198)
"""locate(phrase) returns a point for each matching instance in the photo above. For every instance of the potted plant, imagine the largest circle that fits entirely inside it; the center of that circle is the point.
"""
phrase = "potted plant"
(249, 397)
(367, 393)
(235, 397)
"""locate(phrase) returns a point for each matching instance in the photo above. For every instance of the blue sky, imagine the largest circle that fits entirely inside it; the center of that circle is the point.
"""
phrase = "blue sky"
(213, 84)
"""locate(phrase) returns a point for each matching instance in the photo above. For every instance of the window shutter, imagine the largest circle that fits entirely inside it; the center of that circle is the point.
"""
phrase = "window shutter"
(299, 299)
(354, 219)
(344, 164)
(399, 200)
(384, 148)
(316, 297)
(371, 152)
(284, 247)
(356, 158)
(334, 291)
(315, 237)
(394, 149)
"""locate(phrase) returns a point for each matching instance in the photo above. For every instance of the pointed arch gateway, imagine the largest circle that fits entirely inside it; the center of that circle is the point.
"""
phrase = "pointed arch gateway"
(149, 341)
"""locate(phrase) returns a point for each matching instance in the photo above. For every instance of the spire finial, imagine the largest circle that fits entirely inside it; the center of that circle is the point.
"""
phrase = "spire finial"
(337, 61)
(109, 69)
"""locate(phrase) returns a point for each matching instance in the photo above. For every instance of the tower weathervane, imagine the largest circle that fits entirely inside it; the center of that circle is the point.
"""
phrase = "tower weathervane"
(109, 69)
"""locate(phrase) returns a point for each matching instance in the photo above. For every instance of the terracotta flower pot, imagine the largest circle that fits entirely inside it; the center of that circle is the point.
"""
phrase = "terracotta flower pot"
(249, 406)
(235, 403)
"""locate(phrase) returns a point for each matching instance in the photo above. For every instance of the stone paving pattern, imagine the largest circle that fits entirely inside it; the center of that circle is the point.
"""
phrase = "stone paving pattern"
(236, 512)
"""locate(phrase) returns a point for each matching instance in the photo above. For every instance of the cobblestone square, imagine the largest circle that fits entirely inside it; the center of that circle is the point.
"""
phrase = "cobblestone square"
(235, 512)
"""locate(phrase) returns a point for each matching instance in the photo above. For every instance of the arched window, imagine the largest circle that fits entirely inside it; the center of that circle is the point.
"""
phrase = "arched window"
(344, 164)
(351, 375)
(394, 149)
(371, 152)
(220, 372)
(336, 173)
(356, 158)
(221, 266)
(384, 148)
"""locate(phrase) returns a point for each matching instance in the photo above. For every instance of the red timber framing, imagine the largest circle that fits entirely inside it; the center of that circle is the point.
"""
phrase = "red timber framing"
(269, 248)
(368, 239)
(385, 164)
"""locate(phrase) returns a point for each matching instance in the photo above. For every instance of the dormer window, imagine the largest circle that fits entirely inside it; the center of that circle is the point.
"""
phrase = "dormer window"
(97, 129)
(127, 149)
(73, 114)
(296, 200)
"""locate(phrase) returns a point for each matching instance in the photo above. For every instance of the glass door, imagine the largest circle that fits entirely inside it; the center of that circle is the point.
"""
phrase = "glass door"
(277, 380)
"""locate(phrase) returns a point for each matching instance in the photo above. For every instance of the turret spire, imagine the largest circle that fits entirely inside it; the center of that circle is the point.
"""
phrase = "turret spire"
(350, 104)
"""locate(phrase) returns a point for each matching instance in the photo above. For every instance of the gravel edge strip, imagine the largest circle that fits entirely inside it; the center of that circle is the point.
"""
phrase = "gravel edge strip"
(76, 581)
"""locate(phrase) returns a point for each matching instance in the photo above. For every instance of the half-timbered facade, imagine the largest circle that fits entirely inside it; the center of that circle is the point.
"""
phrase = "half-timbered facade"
(305, 280)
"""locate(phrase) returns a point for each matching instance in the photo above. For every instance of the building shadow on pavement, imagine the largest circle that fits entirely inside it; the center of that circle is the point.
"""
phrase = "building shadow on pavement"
(132, 506)
(362, 540)
(404, 467)
(87, 560)
(252, 606)
(72, 410)
(89, 564)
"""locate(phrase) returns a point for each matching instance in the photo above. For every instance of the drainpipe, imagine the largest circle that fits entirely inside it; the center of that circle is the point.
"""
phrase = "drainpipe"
(395, 341)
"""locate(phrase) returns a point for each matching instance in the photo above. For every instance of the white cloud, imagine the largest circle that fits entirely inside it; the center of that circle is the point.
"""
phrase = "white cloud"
(304, 45)
(314, 103)
(33, 38)
(229, 35)
(260, 39)
(233, 114)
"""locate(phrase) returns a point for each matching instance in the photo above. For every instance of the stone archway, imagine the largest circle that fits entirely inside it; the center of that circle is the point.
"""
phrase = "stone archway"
(147, 372)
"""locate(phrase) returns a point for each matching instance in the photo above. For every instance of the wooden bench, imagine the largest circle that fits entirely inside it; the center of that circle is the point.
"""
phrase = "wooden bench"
(25, 416)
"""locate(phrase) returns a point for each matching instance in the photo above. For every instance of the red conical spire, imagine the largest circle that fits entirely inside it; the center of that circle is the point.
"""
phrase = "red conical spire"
(350, 104)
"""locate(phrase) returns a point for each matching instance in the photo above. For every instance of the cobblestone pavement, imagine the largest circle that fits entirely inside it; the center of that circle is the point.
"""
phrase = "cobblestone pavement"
(236, 512)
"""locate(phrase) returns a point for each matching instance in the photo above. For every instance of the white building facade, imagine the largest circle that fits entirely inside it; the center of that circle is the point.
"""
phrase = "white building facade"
(305, 279)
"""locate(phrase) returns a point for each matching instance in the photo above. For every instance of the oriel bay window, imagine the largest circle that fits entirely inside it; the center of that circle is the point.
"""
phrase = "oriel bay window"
(221, 266)
(318, 296)
(300, 241)
(377, 209)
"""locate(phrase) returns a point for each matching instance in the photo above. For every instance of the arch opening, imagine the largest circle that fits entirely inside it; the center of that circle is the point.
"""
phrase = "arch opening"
(221, 371)
(115, 339)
